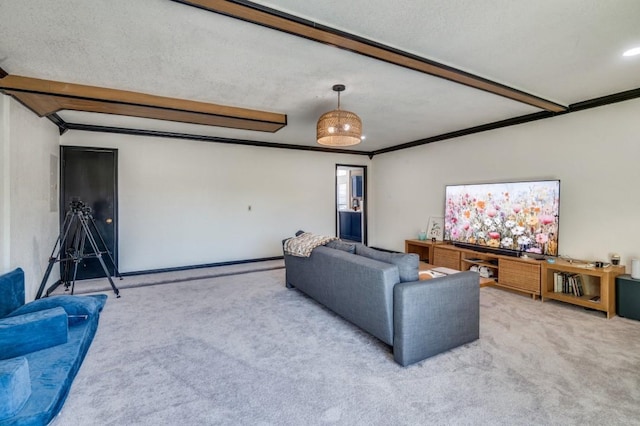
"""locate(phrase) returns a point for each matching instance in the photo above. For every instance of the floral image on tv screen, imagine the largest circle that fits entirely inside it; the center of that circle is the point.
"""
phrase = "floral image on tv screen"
(520, 216)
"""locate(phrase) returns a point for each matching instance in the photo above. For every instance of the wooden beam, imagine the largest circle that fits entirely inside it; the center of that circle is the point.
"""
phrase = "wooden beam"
(270, 18)
(47, 97)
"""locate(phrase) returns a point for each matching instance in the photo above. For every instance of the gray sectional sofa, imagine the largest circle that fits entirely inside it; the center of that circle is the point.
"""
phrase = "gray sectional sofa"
(380, 293)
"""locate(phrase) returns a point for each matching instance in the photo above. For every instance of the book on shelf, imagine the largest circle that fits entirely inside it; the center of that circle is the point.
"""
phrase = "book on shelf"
(568, 283)
(580, 285)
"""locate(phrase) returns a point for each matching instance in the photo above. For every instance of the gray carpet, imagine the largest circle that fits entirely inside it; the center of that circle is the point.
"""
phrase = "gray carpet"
(243, 350)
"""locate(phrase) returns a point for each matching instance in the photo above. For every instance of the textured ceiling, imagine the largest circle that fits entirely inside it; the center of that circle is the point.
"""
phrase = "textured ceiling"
(566, 51)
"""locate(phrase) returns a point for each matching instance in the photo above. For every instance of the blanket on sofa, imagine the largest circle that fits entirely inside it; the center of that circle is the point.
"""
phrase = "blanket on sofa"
(303, 244)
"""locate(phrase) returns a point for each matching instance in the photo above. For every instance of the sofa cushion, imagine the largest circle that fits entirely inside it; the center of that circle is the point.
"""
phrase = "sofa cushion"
(23, 334)
(407, 263)
(342, 245)
(11, 291)
(15, 386)
(78, 308)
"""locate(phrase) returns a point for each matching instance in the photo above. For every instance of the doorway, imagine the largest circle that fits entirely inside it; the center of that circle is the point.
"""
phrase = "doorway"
(89, 175)
(351, 202)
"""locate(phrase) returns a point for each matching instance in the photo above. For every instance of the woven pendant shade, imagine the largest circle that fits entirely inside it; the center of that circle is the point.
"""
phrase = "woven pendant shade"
(338, 127)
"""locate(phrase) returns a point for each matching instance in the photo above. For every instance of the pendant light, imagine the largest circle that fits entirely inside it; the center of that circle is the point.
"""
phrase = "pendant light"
(339, 127)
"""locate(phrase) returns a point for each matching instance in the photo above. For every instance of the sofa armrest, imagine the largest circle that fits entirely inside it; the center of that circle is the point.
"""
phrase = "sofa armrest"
(23, 334)
(435, 315)
(11, 291)
(15, 386)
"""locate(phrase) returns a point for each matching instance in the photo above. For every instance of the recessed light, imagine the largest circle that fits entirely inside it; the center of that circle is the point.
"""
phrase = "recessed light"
(363, 137)
(632, 52)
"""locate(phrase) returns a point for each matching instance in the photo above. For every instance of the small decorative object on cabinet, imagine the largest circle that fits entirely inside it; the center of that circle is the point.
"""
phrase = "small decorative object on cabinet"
(581, 284)
(435, 229)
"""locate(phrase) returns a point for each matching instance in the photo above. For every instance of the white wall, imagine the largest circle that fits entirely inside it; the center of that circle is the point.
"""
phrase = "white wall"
(185, 203)
(28, 224)
(5, 188)
(595, 153)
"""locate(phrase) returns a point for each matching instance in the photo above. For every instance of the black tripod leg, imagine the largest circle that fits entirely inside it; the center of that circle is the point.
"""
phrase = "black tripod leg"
(92, 241)
(106, 249)
(78, 256)
(52, 259)
(75, 273)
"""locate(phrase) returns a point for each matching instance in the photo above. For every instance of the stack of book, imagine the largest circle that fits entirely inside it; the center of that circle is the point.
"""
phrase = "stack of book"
(568, 283)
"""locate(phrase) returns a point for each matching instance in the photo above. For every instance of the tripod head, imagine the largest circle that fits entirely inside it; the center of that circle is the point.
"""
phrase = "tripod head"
(77, 206)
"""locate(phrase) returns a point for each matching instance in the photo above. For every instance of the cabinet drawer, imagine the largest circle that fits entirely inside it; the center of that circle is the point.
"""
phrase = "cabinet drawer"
(446, 258)
(522, 275)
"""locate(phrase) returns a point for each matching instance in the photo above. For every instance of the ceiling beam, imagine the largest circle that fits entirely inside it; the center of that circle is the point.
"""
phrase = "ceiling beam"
(46, 97)
(274, 19)
(205, 138)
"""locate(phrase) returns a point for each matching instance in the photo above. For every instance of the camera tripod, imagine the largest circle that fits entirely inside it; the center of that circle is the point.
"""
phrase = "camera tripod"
(76, 225)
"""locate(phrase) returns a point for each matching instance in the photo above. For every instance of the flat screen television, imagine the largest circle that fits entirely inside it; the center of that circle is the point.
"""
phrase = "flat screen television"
(509, 218)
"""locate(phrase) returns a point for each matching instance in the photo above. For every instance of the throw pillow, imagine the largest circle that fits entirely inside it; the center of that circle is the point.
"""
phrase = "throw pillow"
(407, 263)
(78, 308)
(342, 245)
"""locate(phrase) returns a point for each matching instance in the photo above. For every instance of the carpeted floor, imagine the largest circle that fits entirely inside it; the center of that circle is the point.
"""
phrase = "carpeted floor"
(244, 350)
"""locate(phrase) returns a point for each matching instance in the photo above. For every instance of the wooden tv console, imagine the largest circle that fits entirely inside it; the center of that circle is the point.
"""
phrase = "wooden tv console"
(534, 277)
(514, 273)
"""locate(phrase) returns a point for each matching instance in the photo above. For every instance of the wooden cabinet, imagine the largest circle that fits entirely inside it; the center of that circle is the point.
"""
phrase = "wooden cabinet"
(534, 277)
(351, 226)
(598, 285)
(514, 273)
(422, 248)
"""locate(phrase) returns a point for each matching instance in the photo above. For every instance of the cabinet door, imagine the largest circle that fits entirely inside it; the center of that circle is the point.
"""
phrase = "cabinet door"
(356, 227)
(446, 258)
(356, 186)
(520, 275)
(345, 226)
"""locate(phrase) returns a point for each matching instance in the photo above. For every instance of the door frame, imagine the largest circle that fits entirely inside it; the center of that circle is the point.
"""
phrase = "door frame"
(365, 198)
(63, 207)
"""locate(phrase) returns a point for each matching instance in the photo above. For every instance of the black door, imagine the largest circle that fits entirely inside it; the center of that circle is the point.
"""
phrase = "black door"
(88, 178)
